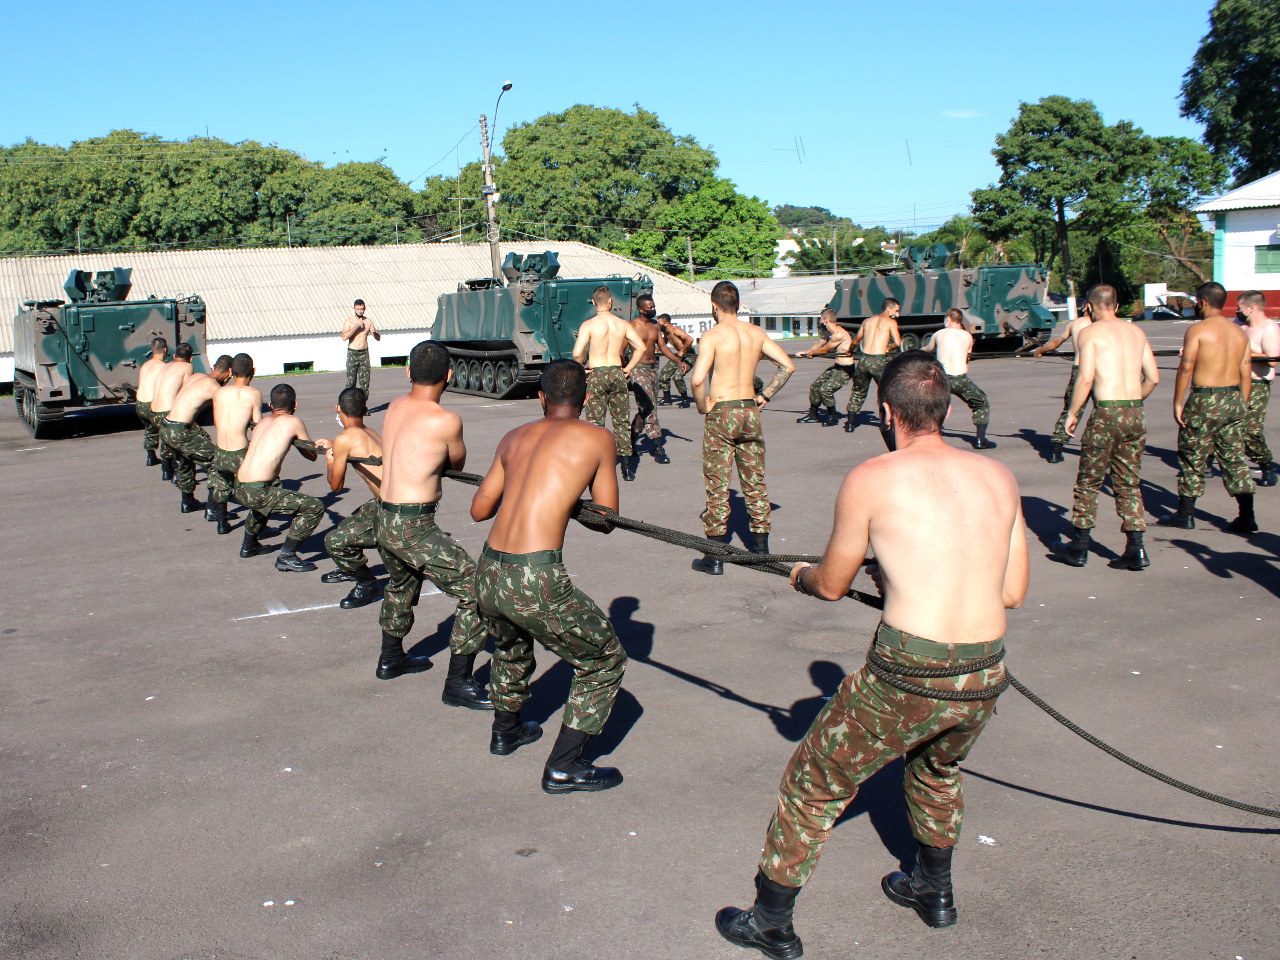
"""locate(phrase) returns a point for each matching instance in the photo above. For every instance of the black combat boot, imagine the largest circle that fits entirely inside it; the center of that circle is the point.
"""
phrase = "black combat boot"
(211, 511)
(224, 522)
(766, 925)
(509, 734)
(813, 416)
(927, 889)
(982, 442)
(460, 687)
(685, 400)
(1268, 478)
(1185, 518)
(341, 576)
(1246, 522)
(660, 451)
(166, 469)
(1055, 455)
(1076, 552)
(288, 560)
(152, 460)
(830, 417)
(189, 503)
(249, 546)
(567, 772)
(628, 466)
(394, 662)
(708, 563)
(361, 595)
(665, 399)
(850, 422)
(1135, 554)
(758, 542)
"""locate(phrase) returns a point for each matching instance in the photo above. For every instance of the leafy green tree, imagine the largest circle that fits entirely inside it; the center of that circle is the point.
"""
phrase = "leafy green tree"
(856, 248)
(1233, 86)
(804, 218)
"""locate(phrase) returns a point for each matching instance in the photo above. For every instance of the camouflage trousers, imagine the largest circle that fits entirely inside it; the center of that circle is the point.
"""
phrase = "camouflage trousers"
(644, 384)
(607, 393)
(413, 548)
(358, 369)
(265, 497)
(528, 596)
(150, 432)
(1213, 422)
(222, 473)
(671, 371)
(1060, 435)
(733, 434)
(1112, 442)
(190, 445)
(870, 367)
(866, 725)
(822, 392)
(1255, 423)
(973, 395)
(157, 420)
(347, 542)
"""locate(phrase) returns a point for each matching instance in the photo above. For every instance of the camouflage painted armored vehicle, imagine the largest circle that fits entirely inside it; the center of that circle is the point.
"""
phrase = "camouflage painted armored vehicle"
(86, 352)
(502, 336)
(1003, 304)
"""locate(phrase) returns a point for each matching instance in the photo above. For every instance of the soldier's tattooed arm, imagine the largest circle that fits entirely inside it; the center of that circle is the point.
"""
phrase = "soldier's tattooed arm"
(786, 367)
(776, 384)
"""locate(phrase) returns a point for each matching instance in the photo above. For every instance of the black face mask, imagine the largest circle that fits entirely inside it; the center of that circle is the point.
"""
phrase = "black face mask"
(886, 432)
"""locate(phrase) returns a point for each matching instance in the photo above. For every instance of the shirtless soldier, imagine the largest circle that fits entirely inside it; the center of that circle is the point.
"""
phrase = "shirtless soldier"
(1118, 370)
(644, 378)
(952, 346)
(681, 343)
(356, 330)
(1264, 341)
(258, 483)
(235, 408)
(730, 352)
(874, 336)
(538, 473)
(599, 349)
(420, 441)
(1216, 365)
(348, 541)
(1060, 435)
(948, 568)
(188, 441)
(167, 384)
(147, 375)
(822, 392)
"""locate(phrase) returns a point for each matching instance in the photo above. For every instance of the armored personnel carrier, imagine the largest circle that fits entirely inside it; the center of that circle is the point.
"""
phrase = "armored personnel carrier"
(1003, 304)
(502, 335)
(85, 351)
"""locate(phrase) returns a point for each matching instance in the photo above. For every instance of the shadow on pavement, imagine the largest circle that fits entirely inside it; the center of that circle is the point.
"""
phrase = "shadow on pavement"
(1238, 563)
(880, 799)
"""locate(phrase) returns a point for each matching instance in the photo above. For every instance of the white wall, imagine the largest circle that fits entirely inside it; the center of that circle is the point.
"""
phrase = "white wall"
(326, 353)
(6, 368)
(1247, 229)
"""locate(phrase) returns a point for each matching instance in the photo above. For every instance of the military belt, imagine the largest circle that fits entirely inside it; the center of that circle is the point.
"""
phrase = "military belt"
(896, 639)
(410, 509)
(607, 366)
(731, 404)
(1117, 403)
(258, 483)
(537, 558)
(176, 423)
(1213, 389)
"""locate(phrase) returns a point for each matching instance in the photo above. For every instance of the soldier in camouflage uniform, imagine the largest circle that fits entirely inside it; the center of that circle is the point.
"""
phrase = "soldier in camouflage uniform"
(886, 709)
(525, 592)
(1060, 438)
(356, 331)
(190, 443)
(610, 396)
(682, 344)
(952, 345)
(147, 375)
(822, 392)
(875, 336)
(598, 347)
(1264, 341)
(236, 407)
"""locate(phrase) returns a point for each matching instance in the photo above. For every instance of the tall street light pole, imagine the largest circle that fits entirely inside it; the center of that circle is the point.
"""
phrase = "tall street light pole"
(489, 190)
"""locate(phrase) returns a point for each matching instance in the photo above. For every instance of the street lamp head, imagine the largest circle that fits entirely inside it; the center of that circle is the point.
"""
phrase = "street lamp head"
(506, 86)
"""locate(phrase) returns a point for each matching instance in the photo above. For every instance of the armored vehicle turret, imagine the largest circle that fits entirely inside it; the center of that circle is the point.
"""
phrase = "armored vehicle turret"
(85, 351)
(1003, 304)
(501, 336)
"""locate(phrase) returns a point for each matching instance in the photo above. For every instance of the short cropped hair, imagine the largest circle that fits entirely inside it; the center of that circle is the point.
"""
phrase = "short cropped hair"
(663, 316)
(353, 402)
(564, 384)
(827, 314)
(725, 296)
(223, 363)
(358, 303)
(159, 345)
(1214, 294)
(885, 303)
(242, 365)
(955, 314)
(429, 363)
(1102, 296)
(283, 397)
(601, 295)
(183, 352)
(915, 388)
(1252, 298)
(643, 297)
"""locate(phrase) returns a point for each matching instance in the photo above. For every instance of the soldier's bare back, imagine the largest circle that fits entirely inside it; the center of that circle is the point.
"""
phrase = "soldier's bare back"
(731, 351)
(420, 440)
(235, 406)
(169, 382)
(272, 438)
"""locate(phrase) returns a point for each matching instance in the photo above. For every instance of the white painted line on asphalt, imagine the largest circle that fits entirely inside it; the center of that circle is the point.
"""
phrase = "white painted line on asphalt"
(509, 403)
(276, 613)
(29, 449)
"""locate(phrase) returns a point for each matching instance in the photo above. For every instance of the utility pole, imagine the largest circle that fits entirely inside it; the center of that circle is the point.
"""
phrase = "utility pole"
(288, 228)
(834, 271)
(490, 193)
(688, 246)
(78, 238)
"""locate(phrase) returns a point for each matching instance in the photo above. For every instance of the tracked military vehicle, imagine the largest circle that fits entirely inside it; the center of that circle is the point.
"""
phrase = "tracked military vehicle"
(501, 335)
(1003, 304)
(85, 351)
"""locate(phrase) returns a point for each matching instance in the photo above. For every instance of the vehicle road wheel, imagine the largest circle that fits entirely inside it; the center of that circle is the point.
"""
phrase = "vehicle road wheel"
(910, 342)
(504, 378)
(462, 375)
(488, 377)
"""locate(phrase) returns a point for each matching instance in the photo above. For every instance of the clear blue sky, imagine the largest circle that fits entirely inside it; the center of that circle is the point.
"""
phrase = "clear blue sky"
(858, 83)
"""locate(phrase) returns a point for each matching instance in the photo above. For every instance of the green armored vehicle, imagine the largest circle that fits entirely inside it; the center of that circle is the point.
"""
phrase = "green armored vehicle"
(1002, 303)
(85, 351)
(502, 336)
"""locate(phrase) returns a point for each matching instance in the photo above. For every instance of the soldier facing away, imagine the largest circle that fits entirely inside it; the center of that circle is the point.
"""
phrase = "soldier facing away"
(952, 345)
(236, 407)
(724, 389)
(1060, 437)
(531, 490)
(680, 343)
(188, 441)
(147, 375)
(948, 567)
(599, 349)
(1216, 365)
(1264, 341)
(875, 336)
(822, 392)
(356, 331)
(420, 441)
(167, 384)
(1118, 370)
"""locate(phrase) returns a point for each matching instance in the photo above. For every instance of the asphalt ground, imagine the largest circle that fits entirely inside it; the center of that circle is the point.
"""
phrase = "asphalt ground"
(197, 761)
